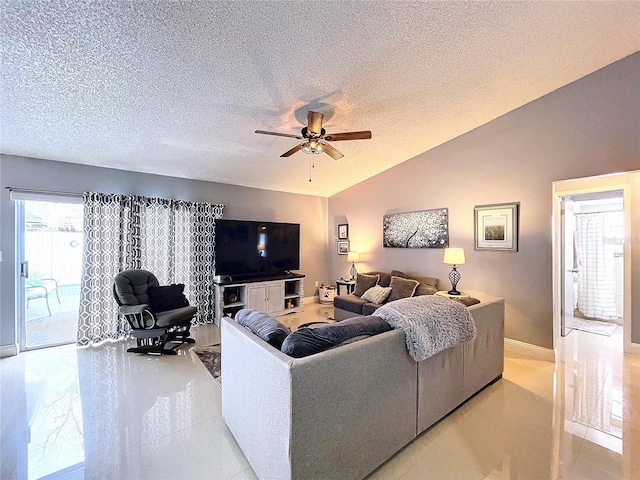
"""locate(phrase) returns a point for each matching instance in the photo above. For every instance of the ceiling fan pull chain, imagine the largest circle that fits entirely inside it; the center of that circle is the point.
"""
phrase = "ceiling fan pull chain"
(311, 165)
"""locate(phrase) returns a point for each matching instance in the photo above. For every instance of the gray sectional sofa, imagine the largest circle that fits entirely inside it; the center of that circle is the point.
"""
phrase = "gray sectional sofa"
(343, 412)
(352, 305)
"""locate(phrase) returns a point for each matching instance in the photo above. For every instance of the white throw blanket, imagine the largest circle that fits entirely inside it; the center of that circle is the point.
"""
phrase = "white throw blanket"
(431, 323)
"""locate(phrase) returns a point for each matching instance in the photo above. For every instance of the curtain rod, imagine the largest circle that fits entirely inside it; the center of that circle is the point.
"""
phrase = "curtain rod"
(603, 211)
(43, 192)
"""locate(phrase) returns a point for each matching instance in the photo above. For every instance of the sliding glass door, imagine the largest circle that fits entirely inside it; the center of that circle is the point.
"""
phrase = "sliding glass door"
(50, 248)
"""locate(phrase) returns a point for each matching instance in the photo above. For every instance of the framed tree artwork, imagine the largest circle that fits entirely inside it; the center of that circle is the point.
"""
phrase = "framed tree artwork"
(496, 227)
(343, 231)
(422, 229)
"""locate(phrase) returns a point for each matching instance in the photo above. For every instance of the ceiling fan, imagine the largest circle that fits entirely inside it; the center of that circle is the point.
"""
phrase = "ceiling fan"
(315, 138)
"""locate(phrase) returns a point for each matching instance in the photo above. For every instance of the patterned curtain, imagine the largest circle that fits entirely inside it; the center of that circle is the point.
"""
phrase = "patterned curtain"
(173, 239)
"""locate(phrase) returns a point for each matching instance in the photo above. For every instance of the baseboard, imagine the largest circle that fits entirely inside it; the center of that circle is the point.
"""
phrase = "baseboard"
(529, 350)
(634, 348)
(315, 299)
(8, 350)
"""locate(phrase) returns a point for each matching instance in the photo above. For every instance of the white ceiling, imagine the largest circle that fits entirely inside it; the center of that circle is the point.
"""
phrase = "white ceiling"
(178, 87)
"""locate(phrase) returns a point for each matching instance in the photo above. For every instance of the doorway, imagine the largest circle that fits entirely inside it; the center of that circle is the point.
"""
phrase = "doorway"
(592, 227)
(49, 246)
(591, 256)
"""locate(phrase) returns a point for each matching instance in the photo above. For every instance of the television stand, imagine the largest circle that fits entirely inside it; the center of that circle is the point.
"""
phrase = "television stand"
(276, 296)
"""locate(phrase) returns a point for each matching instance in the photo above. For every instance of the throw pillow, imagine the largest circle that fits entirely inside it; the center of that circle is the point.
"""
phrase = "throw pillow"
(364, 283)
(424, 289)
(167, 297)
(376, 294)
(307, 341)
(264, 326)
(401, 288)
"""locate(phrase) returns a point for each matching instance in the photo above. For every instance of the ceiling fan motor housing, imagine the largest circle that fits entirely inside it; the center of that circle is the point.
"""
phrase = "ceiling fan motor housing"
(307, 134)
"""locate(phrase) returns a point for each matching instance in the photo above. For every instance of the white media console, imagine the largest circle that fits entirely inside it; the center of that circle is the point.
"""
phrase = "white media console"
(273, 295)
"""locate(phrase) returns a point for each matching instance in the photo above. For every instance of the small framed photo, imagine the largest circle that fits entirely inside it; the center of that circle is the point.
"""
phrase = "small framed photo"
(496, 227)
(343, 247)
(343, 231)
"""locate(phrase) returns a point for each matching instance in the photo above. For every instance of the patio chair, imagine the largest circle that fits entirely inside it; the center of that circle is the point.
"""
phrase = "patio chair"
(41, 288)
(157, 315)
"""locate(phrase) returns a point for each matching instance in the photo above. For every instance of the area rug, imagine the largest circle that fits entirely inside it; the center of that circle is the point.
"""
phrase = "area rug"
(210, 357)
(593, 326)
(326, 312)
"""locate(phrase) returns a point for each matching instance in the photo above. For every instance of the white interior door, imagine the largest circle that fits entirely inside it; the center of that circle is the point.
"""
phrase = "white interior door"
(569, 270)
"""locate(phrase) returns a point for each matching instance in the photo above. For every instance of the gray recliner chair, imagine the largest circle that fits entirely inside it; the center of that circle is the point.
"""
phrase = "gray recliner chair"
(157, 315)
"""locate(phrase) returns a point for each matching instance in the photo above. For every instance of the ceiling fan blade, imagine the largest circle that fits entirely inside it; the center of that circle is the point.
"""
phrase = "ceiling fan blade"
(314, 122)
(332, 152)
(333, 137)
(262, 132)
(292, 151)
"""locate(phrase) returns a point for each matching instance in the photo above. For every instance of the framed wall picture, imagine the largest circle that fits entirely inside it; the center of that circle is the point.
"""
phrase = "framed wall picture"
(423, 229)
(496, 227)
(343, 247)
(343, 231)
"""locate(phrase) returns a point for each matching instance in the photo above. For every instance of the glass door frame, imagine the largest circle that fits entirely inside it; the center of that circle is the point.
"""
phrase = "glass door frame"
(21, 313)
(20, 247)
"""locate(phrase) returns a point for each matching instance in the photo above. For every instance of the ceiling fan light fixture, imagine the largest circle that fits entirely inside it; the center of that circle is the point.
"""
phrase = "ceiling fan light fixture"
(313, 146)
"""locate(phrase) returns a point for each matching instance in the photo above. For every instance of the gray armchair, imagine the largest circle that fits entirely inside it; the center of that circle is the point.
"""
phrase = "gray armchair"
(157, 315)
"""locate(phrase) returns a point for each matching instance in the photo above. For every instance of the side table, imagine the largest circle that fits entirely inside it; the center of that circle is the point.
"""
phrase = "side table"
(444, 293)
(350, 284)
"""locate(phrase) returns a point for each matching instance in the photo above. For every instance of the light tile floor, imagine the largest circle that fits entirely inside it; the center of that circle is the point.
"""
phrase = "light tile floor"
(101, 413)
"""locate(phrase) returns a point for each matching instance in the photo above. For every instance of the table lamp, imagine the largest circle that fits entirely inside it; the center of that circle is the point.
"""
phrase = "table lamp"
(454, 256)
(353, 257)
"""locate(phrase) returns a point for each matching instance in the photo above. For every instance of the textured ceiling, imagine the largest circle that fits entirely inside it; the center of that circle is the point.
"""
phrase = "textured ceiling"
(178, 87)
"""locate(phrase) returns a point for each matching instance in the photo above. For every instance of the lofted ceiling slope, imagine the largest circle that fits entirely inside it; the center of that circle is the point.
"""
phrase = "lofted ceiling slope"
(178, 87)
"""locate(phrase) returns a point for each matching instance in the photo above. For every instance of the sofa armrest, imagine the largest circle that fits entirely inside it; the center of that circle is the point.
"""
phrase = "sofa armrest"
(133, 309)
(256, 398)
(484, 356)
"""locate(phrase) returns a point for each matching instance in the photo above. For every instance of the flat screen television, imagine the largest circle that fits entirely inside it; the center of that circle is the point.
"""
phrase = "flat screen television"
(256, 249)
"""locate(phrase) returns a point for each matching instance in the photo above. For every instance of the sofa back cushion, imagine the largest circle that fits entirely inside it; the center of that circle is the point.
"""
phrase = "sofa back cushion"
(364, 283)
(264, 326)
(432, 281)
(397, 273)
(307, 341)
(383, 278)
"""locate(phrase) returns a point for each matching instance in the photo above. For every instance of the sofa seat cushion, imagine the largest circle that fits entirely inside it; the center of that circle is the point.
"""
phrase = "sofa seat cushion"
(370, 308)
(308, 341)
(264, 326)
(350, 303)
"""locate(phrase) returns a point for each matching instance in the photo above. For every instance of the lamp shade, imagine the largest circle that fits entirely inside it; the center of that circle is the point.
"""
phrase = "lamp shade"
(353, 257)
(454, 256)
